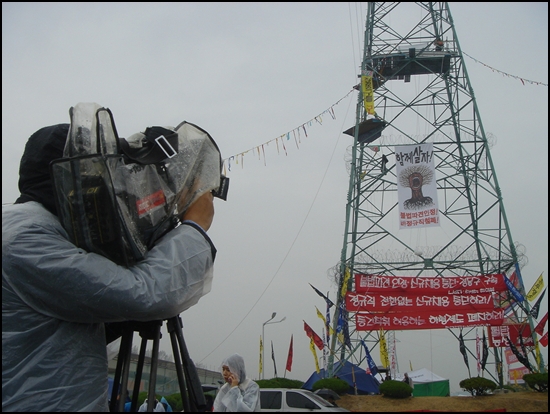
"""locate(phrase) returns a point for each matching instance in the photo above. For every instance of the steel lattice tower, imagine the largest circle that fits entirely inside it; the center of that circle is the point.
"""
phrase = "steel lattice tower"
(422, 94)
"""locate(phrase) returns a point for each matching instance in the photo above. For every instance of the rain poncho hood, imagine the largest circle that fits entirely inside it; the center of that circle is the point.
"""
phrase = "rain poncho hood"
(245, 397)
(235, 363)
(43, 146)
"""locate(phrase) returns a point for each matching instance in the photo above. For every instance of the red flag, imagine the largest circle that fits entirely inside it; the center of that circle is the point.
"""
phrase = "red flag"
(542, 323)
(544, 339)
(289, 357)
(316, 338)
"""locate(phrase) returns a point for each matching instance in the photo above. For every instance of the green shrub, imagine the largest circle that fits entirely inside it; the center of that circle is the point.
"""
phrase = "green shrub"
(337, 385)
(175, 402)
(538, 382)
(509, 388)
(477, 385)
(395, 389)
(279, 383)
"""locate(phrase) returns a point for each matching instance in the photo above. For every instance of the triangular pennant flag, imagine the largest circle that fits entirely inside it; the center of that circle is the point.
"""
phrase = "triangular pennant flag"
(316, 338)
(542, 323)
(329, 302)
(535, 289)
(534, 312)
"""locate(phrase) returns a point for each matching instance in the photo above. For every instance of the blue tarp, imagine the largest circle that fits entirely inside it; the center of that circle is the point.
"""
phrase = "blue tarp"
(366, 383)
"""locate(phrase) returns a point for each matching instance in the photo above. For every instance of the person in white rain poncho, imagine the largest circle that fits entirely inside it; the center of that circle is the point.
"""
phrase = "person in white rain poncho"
(57, 298)
(238, 394)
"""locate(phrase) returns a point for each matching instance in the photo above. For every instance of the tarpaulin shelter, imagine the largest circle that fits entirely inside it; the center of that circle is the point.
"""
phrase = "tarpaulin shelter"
(426, 383)
(365, 383)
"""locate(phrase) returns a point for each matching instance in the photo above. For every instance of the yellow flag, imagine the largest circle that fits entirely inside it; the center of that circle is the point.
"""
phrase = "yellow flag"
(536, 289)
(312, 347)
(368, 94)
(345, 282)
(383, 350)
(320, 315)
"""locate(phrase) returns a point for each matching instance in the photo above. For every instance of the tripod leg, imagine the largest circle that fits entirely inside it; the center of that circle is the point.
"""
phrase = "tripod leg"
(139, 372)
(125, 370)
(196, 396)
(123, 362)
(179, 372)
(153, 372)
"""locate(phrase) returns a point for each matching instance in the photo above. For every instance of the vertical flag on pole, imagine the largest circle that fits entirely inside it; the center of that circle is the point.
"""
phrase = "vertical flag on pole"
(273, 358)
(485, 353)
(368, 92)
(342, 331)
(371, 366)
(290, 354)
(312, 347)
(462, 347)
(329, 331)
(261, 352)
(345, 283)
(478, 352)
(384, 350)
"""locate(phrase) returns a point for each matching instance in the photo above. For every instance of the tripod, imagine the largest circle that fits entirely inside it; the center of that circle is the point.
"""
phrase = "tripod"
(190, 386)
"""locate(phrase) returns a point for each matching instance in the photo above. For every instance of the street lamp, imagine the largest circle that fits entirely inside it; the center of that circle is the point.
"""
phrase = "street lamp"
(263, 342)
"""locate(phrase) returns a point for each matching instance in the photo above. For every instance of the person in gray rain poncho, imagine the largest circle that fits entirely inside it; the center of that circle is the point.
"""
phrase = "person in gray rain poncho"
(238, 394)
(56, 297)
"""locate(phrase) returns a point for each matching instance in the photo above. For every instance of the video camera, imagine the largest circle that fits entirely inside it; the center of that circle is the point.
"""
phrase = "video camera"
(117, 197)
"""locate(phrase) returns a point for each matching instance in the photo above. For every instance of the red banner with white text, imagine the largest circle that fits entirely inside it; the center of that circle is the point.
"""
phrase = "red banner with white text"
(427, 320)
(388, 302)
(498, 334)
(430, 285)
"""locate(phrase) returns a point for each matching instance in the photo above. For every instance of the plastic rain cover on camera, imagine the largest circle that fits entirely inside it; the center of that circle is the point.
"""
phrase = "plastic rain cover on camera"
(117, 207)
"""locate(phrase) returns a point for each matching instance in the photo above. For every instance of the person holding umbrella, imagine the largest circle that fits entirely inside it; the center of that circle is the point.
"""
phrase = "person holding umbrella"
(329, 395)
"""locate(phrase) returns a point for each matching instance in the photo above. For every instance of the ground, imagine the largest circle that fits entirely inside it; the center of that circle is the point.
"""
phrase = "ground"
(529, 401)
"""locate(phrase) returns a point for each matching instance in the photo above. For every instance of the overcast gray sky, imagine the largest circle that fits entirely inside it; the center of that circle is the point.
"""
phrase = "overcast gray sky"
(247, 74)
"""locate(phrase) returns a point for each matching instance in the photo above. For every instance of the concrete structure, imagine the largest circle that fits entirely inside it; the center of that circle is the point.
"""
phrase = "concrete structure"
(167, 378)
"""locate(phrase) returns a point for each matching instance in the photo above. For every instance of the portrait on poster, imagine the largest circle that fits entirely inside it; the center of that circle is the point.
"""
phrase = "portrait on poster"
(416, 186)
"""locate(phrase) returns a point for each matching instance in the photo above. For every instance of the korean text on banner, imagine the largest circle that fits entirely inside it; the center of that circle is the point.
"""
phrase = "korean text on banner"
(368, 93)
(535, 289)
(416, 186)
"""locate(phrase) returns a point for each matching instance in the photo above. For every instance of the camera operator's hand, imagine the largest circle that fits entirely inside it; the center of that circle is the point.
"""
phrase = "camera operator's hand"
(201, 211)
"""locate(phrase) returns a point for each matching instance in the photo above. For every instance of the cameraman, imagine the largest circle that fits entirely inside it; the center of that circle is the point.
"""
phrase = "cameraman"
(56, 298)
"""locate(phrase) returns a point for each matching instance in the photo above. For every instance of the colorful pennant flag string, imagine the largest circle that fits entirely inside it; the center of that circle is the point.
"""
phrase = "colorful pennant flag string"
(523, 80)
(260, 149)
